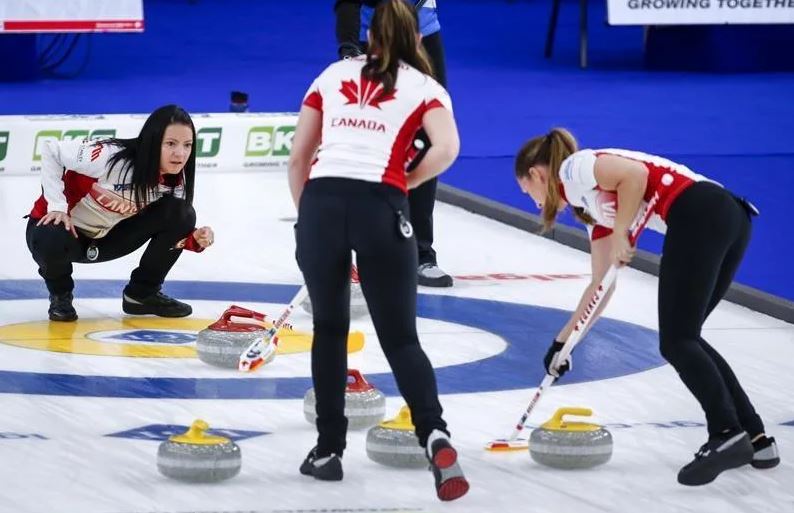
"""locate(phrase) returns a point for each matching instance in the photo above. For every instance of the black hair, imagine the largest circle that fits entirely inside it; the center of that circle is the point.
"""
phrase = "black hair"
(393, 38)
(141, 155)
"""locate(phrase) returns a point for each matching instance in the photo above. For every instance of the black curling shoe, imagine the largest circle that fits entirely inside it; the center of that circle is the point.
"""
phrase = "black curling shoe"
(720, 453)
(61, 309)
(327, 468)
(156, 304)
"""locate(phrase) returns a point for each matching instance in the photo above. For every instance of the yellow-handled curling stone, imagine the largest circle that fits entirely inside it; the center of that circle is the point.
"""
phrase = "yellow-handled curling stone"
(365, 405)
(393, 443)
(197, 457)
(560, 443)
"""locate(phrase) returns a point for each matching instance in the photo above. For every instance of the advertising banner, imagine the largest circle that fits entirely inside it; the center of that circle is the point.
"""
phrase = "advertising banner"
(71, 16)
(699, 12)
(224, 142)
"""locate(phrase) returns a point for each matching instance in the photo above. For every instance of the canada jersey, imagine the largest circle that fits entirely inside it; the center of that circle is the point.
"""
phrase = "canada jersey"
(580, 189)
(365, 134)
(75, 178)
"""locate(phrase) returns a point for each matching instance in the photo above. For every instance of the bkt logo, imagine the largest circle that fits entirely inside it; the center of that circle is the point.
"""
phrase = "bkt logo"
(208, 142)
(268, 140)
(3, 144)
(58, 135)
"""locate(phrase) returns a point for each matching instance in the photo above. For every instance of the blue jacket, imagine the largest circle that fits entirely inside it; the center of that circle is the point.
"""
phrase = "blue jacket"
(428, 17)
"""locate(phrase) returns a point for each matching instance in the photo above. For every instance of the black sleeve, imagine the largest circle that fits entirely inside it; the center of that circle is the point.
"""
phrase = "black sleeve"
(348, 25)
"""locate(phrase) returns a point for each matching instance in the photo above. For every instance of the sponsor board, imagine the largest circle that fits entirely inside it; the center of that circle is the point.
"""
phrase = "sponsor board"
(224, 142)
(699, 12)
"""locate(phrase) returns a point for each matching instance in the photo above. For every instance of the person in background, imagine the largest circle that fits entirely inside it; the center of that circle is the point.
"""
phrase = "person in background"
(706, 232)
(353, 19)
(102, 200)
(348, 181)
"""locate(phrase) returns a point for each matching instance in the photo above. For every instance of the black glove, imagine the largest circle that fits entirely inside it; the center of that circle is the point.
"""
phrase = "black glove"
(551, 360)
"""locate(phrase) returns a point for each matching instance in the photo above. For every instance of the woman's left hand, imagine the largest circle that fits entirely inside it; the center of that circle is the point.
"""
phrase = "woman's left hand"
(204, 236)
(622, 250)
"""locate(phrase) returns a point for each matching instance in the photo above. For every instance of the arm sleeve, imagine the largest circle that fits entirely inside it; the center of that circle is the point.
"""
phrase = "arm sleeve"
(84, 157)
(436, 96)
(313, 97)
(348, 26)
(598, 231)
(578, 170)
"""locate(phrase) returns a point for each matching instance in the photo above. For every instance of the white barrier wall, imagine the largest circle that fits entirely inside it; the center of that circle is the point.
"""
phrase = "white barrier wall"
(699, 12)
(224, 142)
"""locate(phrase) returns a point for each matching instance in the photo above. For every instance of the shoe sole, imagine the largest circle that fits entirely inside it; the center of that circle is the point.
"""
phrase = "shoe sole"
(71, 318)
(145, 310)
(454, 487)
(445, 457)
(764, 464)
(444, 282)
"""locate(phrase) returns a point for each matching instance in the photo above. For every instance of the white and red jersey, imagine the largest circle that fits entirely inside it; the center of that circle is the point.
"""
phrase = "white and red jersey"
(580, 189)
(75, 178)
(366, 136)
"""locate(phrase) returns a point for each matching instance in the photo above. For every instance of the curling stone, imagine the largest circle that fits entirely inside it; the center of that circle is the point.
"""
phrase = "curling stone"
(223, 341)
(365, 405)
(358, 305)
(569, 445)
(393, 443)
(198, 457)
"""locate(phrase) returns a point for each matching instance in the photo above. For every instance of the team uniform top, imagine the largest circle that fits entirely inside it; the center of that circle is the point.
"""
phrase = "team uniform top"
(366, 136)
(580, 189)
(75, 179)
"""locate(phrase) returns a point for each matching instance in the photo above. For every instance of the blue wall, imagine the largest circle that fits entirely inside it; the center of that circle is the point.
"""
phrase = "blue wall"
(735, 128)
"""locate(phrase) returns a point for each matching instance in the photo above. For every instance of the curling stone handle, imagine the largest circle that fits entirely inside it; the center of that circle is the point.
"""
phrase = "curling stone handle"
(197, 429)
(557, 419)
(239, 311)
(359, 384)
(405, 415)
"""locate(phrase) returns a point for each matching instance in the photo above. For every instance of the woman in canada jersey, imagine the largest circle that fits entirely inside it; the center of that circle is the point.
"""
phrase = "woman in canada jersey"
(706, 232)
(103, 200)
(348, 181)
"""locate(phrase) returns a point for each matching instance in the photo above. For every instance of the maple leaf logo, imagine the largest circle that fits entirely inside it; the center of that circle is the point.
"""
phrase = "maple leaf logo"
(367, 92)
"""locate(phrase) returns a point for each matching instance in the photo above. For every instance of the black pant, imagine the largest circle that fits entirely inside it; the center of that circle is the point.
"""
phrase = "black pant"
(423, 198)
(337, 215)
(708, 231)
(163, 223)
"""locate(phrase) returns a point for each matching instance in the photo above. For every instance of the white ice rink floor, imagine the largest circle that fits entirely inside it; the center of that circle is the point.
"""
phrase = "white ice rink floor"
(79, 432)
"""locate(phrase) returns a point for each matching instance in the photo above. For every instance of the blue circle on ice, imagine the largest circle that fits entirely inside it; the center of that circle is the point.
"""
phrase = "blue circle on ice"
(612, 348)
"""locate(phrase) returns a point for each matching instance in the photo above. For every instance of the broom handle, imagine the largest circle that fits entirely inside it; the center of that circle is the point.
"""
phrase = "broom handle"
(581, 325)
(253, 355)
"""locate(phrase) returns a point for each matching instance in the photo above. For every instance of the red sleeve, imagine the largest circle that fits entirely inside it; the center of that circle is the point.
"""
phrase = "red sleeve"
(599, 232)
(433, 104)
(314, 100)
(189, 243)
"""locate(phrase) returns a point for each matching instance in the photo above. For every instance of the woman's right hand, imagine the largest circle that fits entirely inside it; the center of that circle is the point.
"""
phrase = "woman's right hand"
(57, 217)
